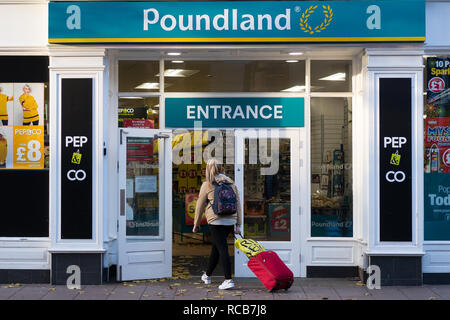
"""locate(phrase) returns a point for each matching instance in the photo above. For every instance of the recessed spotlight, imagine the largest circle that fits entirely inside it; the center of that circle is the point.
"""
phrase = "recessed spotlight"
(291, 61)
(173, 53)
(295, 53)
(177, 61)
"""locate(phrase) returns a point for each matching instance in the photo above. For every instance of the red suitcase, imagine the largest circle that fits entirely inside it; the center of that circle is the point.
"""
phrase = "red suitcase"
(272, 272)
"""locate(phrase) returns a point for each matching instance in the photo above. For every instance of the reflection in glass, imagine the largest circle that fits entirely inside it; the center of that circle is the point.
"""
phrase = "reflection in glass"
(142, 188)
(138, 76)
(331, 76)
(331, 167)
(267, 197)
(189, 169)
(234, 76)
(138, 112)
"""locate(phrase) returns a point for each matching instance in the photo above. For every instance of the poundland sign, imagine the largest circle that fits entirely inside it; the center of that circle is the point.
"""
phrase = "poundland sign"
(237, 21)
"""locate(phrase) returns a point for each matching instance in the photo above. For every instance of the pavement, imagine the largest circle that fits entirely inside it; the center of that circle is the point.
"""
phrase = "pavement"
(191, 288)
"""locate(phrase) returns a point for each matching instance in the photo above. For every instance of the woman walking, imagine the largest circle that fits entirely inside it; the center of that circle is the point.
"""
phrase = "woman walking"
(220, 225)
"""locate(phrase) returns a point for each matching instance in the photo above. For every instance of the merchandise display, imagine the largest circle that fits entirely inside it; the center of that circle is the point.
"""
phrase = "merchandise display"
(187, 179)
(267, 197)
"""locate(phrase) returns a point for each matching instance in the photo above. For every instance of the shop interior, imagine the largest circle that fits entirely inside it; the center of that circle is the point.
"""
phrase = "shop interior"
(267, 197)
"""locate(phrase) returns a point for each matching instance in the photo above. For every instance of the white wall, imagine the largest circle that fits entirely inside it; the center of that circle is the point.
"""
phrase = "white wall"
(23, 23)
(437, 14)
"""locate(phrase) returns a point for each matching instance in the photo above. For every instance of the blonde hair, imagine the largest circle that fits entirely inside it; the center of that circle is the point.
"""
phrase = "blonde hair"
(213, 168)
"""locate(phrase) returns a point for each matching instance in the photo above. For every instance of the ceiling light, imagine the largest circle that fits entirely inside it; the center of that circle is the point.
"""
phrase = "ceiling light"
(295, 89)
(295, 53)
(148, 86)
(134, 98)
(179, 73)
(291, 61)
(173, 53)
(177, 61)
(340, 76)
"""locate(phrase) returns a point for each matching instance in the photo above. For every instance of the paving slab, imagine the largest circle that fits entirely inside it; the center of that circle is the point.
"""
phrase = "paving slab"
(60, 293)
(31, 292)
(353, 292)
(320, 293)
(95, 292)
(127, 291)
(387, 293)
(417, 293)
(9, 290)
(442, 291)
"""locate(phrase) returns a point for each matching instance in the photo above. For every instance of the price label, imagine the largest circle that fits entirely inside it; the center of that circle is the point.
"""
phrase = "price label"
(446, 158)
(436, 84)
(28, 147)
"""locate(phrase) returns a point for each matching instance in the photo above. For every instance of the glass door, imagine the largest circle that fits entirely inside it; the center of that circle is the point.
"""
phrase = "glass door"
(145, 219)
(267, 175)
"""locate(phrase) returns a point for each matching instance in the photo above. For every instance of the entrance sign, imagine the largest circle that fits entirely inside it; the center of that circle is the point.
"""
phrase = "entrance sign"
(235, 112)
(395, 159)
(237, 21)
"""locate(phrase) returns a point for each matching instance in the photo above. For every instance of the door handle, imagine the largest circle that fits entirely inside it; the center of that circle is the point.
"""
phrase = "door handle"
(121, 135)
(161, 136)
(122, 202)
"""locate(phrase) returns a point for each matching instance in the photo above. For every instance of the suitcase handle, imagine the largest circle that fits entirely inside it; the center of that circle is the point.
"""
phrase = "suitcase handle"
(238, 234)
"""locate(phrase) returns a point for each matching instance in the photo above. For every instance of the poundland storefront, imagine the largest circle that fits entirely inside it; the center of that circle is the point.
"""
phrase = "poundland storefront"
(315, 108)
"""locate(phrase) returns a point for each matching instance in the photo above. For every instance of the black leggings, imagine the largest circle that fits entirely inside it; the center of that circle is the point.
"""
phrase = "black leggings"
(5, 122)
(35, 123)
(219, 248)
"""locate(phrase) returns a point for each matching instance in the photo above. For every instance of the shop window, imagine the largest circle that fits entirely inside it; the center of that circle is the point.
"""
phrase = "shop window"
(192, 149)
(267, 194)
(138, 76)
(331, 167)
(437, 149)
(234, 76)
(138, 112)
(24, 145)
(142, 205)
(331, 76)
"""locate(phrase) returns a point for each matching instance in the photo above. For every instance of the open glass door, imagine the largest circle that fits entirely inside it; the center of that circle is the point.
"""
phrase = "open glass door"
(145, 218)
(268, 178)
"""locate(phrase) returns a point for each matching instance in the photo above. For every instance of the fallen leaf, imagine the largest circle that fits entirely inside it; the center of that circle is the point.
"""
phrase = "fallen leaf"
(432, 298)
(131, 292)
(360, 284)
(145, 295)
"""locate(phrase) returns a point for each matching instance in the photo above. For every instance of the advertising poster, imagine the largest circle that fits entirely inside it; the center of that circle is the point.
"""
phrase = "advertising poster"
(22, 126)
(130, 112)
(190, 203)
(437, 150)
(280, 219)
(139, 149)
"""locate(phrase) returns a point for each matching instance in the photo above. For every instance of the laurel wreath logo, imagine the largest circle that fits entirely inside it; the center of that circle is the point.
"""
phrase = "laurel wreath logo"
(306, 27)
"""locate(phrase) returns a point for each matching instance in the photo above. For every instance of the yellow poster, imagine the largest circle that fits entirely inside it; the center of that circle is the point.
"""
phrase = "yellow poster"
(28, 148)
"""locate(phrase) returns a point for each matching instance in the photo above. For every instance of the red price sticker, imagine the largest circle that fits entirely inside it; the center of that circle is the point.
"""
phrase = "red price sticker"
(436, 84)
